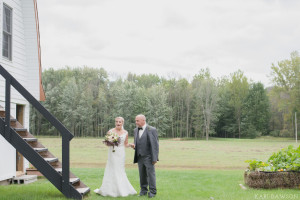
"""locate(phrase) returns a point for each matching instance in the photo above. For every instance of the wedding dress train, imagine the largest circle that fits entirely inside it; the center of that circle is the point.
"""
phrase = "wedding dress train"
(115, 182)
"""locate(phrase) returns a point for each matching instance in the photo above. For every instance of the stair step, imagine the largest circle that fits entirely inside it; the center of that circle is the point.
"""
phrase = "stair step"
(40, 149)
(19, 173)
(74, 180)
(30, 139)
(59, 170)
(50, 160)
(2, 109)
(11, 119)
(83, 191)
(20, 129)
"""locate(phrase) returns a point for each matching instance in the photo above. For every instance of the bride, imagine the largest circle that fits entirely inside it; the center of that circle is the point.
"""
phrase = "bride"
(115, 182)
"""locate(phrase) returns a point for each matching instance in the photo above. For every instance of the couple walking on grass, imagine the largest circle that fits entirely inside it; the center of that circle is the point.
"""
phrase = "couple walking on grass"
(115, 182)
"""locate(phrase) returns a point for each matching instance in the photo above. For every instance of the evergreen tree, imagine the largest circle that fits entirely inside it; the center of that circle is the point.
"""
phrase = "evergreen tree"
(257, 110)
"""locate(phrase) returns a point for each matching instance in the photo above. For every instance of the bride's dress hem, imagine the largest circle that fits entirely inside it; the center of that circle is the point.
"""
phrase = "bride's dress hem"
(109, 195)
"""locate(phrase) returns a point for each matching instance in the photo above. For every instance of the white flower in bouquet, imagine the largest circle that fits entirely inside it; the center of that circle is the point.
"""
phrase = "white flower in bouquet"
(112, 139)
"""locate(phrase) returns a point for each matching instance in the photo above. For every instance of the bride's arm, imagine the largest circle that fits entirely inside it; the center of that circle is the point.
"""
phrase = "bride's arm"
(126, 142)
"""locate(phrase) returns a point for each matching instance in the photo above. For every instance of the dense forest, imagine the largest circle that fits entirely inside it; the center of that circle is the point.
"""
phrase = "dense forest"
(86, 101)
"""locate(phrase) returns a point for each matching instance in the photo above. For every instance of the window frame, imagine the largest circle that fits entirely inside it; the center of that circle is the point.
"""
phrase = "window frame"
(8, 34)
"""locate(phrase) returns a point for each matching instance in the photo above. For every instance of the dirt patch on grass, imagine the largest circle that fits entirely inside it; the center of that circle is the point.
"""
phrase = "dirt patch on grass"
(176, 139)
(186, 148)
(199, 167)
(159, 166)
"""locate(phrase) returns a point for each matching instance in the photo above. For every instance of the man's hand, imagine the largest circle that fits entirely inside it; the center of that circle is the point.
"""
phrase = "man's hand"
(153, 163)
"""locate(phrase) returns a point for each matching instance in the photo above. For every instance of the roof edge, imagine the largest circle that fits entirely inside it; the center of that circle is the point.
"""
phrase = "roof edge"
(42, 92)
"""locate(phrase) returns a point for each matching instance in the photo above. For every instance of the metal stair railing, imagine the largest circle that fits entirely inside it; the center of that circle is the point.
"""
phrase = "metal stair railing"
(65, 133)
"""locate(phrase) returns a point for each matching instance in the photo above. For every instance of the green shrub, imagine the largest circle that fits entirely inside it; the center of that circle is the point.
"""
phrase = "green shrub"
(250, 131)
(256, 164)
(287, 159)
(285, 133)
(275, 133)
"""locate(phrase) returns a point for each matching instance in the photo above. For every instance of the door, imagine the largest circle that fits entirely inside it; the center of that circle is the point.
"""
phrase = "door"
(20, 119)
(20, 162)
(20, 114)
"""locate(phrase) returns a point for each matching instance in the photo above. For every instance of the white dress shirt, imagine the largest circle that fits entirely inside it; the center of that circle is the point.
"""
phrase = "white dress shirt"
(142, 131)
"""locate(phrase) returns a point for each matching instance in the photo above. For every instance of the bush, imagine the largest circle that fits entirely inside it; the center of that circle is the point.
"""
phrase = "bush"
(285, 133)
(275, 133)
(251, 132)
(284, 160)
(255, 165)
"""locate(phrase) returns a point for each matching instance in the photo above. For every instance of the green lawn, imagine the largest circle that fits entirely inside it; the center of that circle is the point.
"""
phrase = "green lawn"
(171, 184)
(186, 170)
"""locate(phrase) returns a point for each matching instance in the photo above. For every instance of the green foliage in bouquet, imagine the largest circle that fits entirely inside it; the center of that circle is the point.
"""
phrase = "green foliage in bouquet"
(287, 159)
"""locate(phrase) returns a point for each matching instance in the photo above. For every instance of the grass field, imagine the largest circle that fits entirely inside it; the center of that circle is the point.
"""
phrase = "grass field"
(187, 169)
(176, 154)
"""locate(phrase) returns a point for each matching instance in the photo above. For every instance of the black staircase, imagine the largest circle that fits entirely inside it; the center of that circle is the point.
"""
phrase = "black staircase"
(39, 156)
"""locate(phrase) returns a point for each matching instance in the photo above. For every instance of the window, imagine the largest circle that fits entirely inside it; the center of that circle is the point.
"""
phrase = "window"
(7, 32)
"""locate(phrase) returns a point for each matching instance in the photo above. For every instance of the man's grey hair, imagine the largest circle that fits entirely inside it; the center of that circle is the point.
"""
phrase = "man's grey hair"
(142, 116)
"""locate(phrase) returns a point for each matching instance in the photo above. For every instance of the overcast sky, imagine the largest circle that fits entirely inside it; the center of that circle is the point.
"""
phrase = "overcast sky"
(169, 37)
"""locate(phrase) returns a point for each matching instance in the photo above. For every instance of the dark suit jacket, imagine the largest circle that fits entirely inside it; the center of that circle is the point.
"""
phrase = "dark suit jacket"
(152, 141)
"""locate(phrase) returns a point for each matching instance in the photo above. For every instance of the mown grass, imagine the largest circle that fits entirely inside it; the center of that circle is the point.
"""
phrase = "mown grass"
(177, 154)
(192, 169)
(171, 184)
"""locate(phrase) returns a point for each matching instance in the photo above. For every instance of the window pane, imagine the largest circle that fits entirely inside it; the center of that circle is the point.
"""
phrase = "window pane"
(9, 47)
(7, 29)
(7, 20)
(5, 45)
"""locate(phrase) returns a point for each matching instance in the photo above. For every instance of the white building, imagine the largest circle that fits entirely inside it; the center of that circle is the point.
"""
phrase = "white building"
(21, 57)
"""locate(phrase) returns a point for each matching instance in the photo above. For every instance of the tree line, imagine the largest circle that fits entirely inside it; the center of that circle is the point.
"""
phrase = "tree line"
(86, 101)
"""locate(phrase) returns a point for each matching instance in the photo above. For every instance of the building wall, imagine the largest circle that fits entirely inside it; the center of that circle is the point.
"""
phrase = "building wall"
(31, 45)
(17, 67)
(24, 66)
(7, 153)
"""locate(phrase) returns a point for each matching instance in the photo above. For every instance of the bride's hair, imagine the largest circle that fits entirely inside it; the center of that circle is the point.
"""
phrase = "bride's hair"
(122, 121)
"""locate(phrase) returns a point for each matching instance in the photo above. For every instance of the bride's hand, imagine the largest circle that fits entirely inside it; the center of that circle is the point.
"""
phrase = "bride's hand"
(132, 146)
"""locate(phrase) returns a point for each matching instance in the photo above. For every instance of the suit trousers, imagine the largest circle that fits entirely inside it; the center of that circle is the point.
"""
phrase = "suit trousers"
(147, 174)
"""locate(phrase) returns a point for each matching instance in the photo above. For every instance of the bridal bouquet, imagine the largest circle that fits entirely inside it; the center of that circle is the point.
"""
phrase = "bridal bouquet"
(112, 139)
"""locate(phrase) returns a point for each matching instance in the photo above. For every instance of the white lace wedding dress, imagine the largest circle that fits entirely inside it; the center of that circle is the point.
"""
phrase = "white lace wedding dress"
(115, 182)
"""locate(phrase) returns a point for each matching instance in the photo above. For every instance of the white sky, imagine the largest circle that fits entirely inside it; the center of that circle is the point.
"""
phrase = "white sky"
(168, 37)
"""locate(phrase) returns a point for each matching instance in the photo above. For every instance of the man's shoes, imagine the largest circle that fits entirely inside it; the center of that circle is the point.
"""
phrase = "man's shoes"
(142, 194)
(150, 195)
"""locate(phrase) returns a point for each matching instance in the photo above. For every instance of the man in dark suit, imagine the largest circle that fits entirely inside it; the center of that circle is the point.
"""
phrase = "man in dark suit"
(146, 154)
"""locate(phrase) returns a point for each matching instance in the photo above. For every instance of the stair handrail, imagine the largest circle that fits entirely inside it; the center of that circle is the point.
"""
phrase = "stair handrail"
(65, 133)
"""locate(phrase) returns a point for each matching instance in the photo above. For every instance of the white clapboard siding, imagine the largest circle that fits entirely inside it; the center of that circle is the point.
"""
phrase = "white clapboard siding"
(17, 67)
(32, 55)
(8, 161)
(25, 62)
(24, 66)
